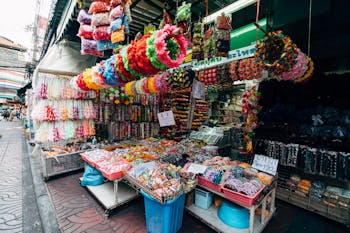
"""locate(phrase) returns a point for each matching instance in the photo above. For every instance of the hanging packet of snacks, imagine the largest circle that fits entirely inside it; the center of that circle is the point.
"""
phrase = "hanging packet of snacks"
(90, 47)
(84, 17)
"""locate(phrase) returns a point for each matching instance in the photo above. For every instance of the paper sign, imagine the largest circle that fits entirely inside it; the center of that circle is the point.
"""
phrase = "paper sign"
(197, 168)
(198, 90)
(166, 118)
(265, 164)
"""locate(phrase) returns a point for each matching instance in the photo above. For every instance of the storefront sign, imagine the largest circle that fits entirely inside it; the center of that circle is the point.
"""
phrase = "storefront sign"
(166, 118)
(242, 53)
(265, 164)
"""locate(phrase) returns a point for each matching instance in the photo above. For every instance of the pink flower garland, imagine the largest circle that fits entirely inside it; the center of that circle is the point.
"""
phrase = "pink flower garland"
(160, 46)
(298, 69)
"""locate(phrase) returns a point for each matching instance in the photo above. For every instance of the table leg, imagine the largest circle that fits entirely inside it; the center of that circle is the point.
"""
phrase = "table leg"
(263, 211)
(115, 191)
(251, 219)
(272, 204)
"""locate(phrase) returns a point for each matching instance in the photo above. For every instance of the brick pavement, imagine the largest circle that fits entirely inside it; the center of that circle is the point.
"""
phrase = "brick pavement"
(11, 177)
(77, 211)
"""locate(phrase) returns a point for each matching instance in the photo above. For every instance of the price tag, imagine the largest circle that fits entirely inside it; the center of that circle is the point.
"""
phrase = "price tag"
(265, 164)
(166, 118)
(197, 168)
(198, 90)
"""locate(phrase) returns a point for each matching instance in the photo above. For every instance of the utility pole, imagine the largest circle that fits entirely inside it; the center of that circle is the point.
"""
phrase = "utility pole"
(35, 31)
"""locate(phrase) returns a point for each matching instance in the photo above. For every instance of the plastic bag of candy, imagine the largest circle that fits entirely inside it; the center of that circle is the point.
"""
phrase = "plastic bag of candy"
(115, 24)
(116, 12)
(125, 20)
(97, 7)
(115, 3)
(223, 22)
(84, 17)
(90, 47)
(223, 34)
(101, 33)
(106, 45)
(100, 19)
(85, 31)
(118, 35)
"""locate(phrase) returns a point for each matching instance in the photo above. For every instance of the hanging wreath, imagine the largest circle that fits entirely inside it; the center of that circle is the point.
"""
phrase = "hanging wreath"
(307, 74)
(298, 69)
(170, 46)
(126, 76)
(152, 55)
(276, 53)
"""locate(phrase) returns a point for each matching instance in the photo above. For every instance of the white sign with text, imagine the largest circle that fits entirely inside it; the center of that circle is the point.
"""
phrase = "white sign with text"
(166, 118)
(265, 164)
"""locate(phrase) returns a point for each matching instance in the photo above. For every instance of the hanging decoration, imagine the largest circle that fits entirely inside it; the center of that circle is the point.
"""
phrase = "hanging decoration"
(280, 56)
(165, 48)
(250, 110)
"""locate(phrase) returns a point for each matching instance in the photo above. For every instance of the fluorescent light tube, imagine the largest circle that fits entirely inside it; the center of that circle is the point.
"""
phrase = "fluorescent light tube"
(234, 7)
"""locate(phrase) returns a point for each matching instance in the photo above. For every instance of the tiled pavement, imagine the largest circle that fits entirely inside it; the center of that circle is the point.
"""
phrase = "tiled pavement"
(11, 177)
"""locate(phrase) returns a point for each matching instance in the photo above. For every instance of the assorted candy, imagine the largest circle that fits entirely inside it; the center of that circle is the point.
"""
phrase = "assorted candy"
(167, 181)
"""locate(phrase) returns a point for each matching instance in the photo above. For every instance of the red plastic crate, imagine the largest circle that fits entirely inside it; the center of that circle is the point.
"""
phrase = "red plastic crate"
(209, 184)
(241, 198)
(113, 176)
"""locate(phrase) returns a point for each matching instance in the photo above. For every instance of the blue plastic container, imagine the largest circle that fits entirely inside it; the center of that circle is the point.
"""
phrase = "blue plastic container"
(163, 218)
(203, 199)
(233, 215)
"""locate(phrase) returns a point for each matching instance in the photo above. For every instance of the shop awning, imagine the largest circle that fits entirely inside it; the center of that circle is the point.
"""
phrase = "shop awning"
(65, 58)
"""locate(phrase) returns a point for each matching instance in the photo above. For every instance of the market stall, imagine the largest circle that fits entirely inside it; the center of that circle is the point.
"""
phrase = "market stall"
(62, 117)
(195, 136)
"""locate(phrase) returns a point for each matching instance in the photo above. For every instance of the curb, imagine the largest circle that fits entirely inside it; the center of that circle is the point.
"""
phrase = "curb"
(45, 207)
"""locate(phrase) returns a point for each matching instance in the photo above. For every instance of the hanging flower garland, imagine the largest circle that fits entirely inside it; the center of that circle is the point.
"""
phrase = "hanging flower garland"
(307, 74)
(121, 69)
(142, 62)
(276, 53)
(171, 56)
(298, 69)
(152, 55)
(87, 78)
(127, 67)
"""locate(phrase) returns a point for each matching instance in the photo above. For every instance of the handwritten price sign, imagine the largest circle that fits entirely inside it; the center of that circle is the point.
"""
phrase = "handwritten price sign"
(265, 164)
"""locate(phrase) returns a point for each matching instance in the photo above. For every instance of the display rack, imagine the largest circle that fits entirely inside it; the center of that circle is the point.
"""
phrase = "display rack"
(336, 213)
(60, 164)
(113, 194)
(210, 217)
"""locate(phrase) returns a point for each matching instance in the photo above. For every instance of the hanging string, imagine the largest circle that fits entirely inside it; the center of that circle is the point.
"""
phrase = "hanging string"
(309, 34)
(257, 19)
(206, 7)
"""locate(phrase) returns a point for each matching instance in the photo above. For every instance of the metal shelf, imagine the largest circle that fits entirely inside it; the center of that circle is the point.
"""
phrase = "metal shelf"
(210, 218)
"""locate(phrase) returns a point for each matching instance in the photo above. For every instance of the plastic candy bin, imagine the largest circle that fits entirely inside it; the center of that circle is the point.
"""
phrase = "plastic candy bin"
(203, 199)
(163, 218)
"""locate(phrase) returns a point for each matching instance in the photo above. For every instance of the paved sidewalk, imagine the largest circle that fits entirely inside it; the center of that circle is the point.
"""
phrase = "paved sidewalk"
(14, 192)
